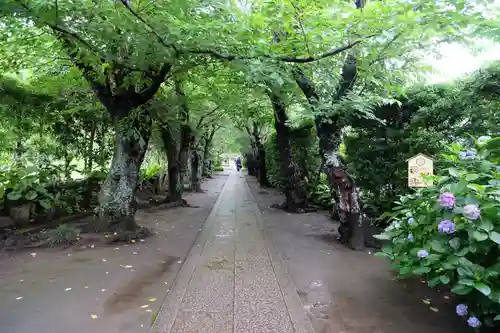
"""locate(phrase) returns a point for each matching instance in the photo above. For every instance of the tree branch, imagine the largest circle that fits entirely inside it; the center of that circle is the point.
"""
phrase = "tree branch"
(206, 115)
(149, 26)
(327, 54)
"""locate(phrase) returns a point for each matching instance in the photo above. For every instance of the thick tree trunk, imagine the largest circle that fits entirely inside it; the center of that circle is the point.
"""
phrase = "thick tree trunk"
(342, 185)
(117, 207)
(174, 170)
(262, 174)
(294, 199)
(196, 168)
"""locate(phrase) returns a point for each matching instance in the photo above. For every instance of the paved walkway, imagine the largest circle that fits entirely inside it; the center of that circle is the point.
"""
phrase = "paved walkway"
(232, 280)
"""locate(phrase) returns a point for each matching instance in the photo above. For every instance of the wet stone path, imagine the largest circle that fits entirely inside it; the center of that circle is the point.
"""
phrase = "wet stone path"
(233, 279)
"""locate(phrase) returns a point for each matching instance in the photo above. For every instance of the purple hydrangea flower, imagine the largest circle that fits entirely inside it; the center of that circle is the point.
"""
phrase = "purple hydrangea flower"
(467, 155)
(410, 237)
(474, 322)
(447, 200)
(422, 253)
(462, 310)
(446, 226)
(472, 212)
(411, 220)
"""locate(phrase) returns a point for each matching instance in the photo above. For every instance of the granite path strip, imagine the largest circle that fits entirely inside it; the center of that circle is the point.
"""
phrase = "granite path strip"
(233, 279)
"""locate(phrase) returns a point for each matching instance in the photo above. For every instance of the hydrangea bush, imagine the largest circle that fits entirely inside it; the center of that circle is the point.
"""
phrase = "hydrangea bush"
(449, 233)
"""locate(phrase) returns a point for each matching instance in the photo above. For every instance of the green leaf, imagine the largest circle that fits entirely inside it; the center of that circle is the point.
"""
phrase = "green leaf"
(495, 236)
(472, 176)
(483, 288)
(45, 204)
(460, 289)
(455, 243)
(444, 279)
(14, 196)
(438, 246)
(479, 236)
(497, 318)
(421, 270)
(453, 172)
(486, 225)
(382, 236)
(31, 195)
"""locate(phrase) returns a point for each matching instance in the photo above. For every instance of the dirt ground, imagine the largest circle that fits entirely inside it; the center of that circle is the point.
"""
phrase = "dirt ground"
(346, 291)
(117, 288)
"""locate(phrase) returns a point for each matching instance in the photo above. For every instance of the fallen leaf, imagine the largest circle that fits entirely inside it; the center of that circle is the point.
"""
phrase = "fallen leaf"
(145, 306)
(67, 289)
(165, 282)
(33, 254)
(434, 309)
(152, 299)
(446, 297)
(107, 272)
(69, 254)
(93, 316)
(134, 252)
(132, 270)
(426, 301)
(133, 241)
(142, 325)
(149, 310)
(86, 287)
(129, 266)
(92, 246)
(142, 240)
(19, 298)
(106, 236)
(103, 260)
(103, 289)
(179, 261)
(116, 249)
(21, 281)
(115, 234)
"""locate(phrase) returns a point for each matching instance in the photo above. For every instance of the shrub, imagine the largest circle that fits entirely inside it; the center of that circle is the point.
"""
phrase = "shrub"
(63, 234)
(218, 169)
(449, 233)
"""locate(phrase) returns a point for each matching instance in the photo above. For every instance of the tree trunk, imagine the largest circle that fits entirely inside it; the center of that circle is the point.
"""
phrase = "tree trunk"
(174, 170)
(262, 174)
(342, 185)
(117, 197)
(294, 199)
(196, 168)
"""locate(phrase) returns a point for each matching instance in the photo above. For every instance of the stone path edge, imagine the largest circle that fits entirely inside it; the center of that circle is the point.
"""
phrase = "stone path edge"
(165, 318)
(295, 307)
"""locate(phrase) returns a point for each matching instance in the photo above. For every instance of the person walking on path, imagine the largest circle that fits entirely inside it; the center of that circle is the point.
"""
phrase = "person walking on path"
(238, 163)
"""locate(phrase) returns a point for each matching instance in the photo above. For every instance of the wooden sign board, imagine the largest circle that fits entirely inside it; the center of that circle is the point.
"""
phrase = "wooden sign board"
(418, 166)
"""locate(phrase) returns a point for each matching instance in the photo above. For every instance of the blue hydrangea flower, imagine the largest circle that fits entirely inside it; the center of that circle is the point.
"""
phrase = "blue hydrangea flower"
(422, 253)
(446, 226)
(482, 139)
(474, 322)
(410, 237)
(472, 212)
(411, 220)
(447, 200)
(462, 310)
(467, 155)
